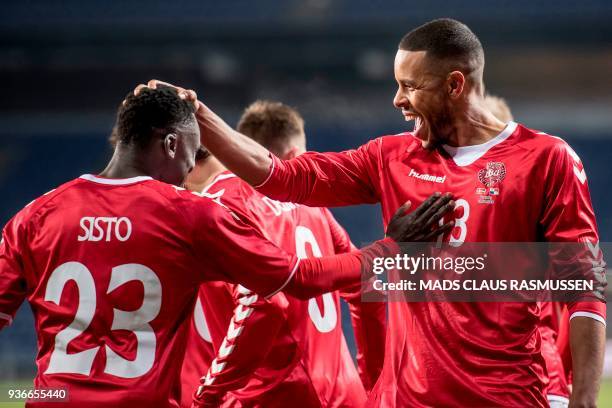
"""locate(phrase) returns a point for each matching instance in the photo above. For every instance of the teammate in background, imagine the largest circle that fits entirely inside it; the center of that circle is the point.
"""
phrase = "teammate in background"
(557, 390)
(307, 360)
(111, 264)
(449, 354)
(498, 107)
(368, 319)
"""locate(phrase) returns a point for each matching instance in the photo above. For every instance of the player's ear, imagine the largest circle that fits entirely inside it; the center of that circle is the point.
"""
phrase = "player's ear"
(170, 145)
(456, 83)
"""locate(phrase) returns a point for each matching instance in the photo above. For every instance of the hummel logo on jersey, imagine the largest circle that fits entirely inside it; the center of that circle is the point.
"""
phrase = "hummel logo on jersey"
(427, 177)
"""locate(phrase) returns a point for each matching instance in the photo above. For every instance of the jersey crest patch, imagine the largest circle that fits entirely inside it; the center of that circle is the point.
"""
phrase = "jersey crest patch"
(493, 174)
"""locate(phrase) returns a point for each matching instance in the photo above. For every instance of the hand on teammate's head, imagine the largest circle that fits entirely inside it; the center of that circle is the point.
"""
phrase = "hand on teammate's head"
(422, 224)
(187, 94)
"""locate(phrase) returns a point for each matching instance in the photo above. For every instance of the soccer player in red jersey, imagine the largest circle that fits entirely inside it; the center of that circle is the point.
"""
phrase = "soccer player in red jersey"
(557, 390)
(307, 357)
(110, 264)
(514, 184)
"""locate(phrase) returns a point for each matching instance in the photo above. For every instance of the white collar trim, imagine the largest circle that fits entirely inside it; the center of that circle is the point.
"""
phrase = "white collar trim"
(466, 155)
(115, 182)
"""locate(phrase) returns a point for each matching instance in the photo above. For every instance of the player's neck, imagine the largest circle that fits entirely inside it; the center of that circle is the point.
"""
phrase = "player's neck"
(122, 165)
(476, 126)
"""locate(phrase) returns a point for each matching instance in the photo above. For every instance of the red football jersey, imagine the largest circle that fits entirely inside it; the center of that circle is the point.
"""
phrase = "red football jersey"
(111, 269)
(301, 353)
(448, 354)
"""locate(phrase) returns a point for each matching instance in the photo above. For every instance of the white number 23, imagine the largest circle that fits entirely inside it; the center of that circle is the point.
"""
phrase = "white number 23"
(136, 321)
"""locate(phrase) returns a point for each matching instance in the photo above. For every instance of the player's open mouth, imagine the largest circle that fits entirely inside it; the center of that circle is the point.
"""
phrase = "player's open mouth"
(418, 121)
(409, 115)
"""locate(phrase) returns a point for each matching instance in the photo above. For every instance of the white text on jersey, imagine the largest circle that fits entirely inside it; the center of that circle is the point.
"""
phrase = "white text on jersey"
(277, 207)
(105, 228)
(427, 177)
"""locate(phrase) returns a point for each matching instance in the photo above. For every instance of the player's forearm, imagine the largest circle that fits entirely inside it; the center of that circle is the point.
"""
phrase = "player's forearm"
(587, 342)
(243, 156)
(316, 276)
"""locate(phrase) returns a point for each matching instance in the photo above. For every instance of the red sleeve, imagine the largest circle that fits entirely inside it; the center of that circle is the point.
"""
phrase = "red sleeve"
(316, 276)
(12, 281)
(234, 250)
(252, 329)
(237, 195)
(369, 319)
(326, 179)
(243, 255)
(568, 217)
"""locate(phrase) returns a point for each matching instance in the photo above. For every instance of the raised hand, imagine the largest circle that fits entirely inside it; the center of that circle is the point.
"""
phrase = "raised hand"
(187, 94)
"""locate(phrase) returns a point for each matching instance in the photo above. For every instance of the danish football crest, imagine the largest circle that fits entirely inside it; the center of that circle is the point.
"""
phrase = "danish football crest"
(493, 174)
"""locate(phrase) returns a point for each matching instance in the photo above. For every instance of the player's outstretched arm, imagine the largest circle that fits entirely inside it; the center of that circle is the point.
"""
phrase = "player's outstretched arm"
(243, 255)
(587, 342)
(315, 179)
(316, 276)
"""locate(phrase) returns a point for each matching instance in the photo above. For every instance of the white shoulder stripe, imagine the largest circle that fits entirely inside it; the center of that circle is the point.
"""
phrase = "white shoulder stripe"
(594, 316)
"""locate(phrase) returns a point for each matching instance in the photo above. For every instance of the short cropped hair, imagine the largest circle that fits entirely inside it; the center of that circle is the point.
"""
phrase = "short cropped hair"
(449, 40)
(152, 113)
(271, 124)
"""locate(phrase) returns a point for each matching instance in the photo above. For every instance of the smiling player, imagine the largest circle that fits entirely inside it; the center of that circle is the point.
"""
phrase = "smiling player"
(514, 185)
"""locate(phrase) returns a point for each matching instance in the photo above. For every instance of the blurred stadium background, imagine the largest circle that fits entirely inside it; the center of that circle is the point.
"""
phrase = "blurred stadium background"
(65, 67)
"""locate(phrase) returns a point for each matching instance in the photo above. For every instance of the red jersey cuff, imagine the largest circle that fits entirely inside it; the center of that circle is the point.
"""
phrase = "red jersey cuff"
(270, 172)
(291, 274)
(594, 310)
